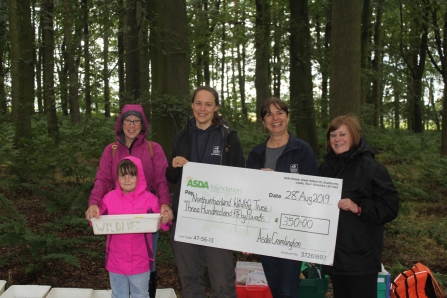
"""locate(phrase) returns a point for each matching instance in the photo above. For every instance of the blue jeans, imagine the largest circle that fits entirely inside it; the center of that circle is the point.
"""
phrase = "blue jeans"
(283, 276)
(154, 248)
(136, 285)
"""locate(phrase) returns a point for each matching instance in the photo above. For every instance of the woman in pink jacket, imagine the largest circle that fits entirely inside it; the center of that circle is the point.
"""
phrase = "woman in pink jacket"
(131, 129)
(129, 257)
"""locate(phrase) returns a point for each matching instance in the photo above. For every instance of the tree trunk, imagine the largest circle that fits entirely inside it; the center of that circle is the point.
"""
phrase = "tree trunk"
(377, 66)
(170, 66)
(240, 59)
(223, 60)
(121, 68)
(277, 50)
(345, 91)
(14, 56)
(37, 59)
(132, 53)
(324, 52)
(143, 41)
(262, 46)
(87, 87)
(48, 67)
(106, 67)
(63, 78)
(301, 97)
(365, 49)
(415, 60)
(25, 108)
(3, 36)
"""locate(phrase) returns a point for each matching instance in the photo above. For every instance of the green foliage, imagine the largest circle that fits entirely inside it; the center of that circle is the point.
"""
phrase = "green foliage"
(57, 173)
(37, 248)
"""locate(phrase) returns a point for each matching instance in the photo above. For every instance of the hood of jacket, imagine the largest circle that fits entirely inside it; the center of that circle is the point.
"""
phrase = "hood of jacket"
(141, 182)
(362, 148)
(131, 109)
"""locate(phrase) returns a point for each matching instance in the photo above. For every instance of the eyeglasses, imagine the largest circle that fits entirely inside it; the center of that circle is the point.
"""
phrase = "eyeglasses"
(135, 122)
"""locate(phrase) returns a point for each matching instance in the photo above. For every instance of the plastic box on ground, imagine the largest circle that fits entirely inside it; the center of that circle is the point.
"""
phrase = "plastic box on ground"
(383, 285)
(253, 291)
(165, 293)
(70, 293)
(28, 291)
(101, 294)
(313, 288)
(126, 224)
(2, 286)
(243, 268)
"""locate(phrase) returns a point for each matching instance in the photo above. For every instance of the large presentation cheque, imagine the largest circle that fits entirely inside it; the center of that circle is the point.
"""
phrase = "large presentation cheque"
(277, 214)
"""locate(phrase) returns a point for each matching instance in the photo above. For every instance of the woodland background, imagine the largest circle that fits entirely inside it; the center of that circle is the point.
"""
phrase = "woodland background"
(68, 66)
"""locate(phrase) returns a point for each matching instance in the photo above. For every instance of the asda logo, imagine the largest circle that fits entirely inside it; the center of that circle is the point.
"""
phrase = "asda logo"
(196, 183)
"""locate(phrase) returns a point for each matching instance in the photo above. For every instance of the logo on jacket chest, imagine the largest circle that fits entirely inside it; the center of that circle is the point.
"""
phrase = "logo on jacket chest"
(294, 168)
(216, 151)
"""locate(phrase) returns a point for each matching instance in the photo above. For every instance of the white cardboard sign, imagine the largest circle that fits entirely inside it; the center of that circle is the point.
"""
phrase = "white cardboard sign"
(277, 214)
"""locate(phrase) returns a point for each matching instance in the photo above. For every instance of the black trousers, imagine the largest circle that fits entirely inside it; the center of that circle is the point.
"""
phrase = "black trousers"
(354, 286)
(192, 261)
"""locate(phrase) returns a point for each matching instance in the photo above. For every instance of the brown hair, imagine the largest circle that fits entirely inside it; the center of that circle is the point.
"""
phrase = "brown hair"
(278, 103)
(126, 167)
(217, 120)
(351, 123)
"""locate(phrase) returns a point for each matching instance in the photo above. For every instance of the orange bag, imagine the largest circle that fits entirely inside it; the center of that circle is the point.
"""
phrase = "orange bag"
(417, 282)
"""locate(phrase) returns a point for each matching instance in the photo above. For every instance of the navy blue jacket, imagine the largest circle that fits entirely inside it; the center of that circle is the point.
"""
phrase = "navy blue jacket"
(297, 153)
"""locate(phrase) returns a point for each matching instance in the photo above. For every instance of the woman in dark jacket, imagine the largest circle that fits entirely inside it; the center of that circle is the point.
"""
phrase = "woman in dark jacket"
(281, 152)
(368, 201)
(205, 139)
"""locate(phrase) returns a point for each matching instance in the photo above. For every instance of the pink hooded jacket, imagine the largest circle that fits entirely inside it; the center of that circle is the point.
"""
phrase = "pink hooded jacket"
(130, 253)
(154, 166)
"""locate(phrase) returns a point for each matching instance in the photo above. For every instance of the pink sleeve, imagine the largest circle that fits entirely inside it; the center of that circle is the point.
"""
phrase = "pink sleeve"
(160, 164)
(103, 179)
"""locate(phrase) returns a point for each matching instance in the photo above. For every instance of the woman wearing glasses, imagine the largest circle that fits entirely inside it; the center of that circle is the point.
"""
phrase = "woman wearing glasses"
(131, 130)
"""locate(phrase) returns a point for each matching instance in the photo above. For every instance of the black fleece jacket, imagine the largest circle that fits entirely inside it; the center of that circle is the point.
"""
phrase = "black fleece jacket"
(358, 249)
(232, 155)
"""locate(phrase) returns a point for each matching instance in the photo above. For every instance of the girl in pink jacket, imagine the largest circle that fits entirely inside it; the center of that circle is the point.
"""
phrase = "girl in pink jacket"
(129, 257)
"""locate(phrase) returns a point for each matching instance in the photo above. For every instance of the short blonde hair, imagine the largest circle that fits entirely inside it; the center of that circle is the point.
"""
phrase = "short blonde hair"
(351, 123)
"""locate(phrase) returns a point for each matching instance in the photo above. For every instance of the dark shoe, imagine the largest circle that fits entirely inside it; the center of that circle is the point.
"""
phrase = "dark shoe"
(153, 284)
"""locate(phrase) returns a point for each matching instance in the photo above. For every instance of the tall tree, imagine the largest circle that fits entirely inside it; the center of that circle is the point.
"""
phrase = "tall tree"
(132, 54)
(345, 91)
(439, 12)
(240, 58)
(415, 57)
(377, 65)
(277, 16)
(365, 49)
(48, 66)
(3, 48)
(25, 108)
(14, 56)
(86, 36)
(301, 94)
(105, 55)
(322, 50)
(262, 46)
(143, 42)
(170, 66)
(72, 38)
